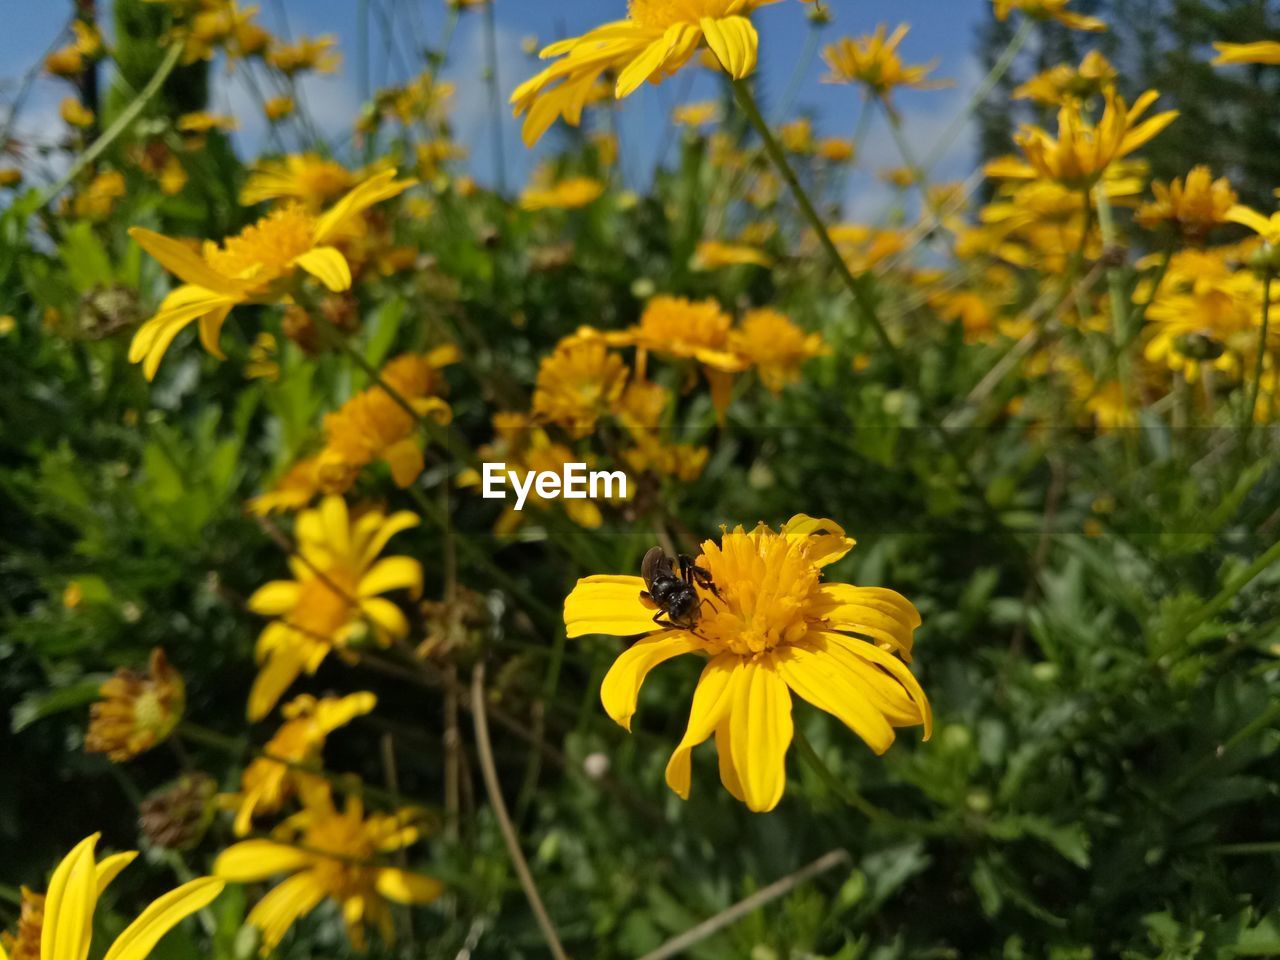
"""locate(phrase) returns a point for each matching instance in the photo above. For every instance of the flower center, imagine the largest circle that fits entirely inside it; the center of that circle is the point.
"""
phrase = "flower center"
(265, 250)
(345, 838)
(321, 611)
(767, 584)
(660, 14)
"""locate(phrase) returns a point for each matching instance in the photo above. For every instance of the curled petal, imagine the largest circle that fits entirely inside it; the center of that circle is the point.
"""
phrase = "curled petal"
(711, 703)
(140, 937)
(735, 43)
(621, 686)
(254, 860)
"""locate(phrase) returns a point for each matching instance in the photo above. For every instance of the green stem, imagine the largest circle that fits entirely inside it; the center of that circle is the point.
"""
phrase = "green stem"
(1119, 307)
(855, 285)
(801, 69)
(919, 175)
(1258, 365)
(853, 798)
(1267, 847)
(495, 95)
(119, 126)
(998, 70)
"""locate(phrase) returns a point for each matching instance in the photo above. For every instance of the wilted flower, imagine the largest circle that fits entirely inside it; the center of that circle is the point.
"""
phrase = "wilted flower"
(137, 711)
(774, 628)
(178, 816)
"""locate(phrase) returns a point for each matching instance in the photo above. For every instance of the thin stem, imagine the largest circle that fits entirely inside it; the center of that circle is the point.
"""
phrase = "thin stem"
(854, 284)
(1268, 847)
(119, 126)
(801, 69)
(484, 751)
(856, 800)
(495, 95)
(998, 70)
(1255, 387)
(726, 918)
(1115, 290)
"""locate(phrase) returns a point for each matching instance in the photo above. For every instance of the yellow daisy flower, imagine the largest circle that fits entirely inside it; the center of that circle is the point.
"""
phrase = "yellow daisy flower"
(656, 40)
(305, 177)
(333, 855)
(334, 601)
(577, 384)
(135, 711)
(873, 61)
(373, 425)
(568, 194)
(256, 266)
(775, 346)
(1055, 10)
(66, 927)
(267, 783)
(309, 53)
(774, 629)
(1064, 82)
(1193, 206)
(714, 254)
(698, 114)
(1083, 150)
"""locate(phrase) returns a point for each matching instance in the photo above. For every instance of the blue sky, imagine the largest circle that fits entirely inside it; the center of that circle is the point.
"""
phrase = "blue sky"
(941, 29)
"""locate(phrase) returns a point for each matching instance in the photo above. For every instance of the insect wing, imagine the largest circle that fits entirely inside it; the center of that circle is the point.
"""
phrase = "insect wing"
(655, 564)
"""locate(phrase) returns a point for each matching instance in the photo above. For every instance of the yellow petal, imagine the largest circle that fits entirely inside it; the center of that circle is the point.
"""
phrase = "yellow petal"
(110, 868)
(1248, 217)
(69, 903)
(184, 263)
(405, 458)
(275, 598)
(273, 679)
(405, 887)
(380, 535)
(724, 750)
(140, 937)
(211, 331)
(734, 42)
(381, 187)
(642, 67)
(608, 604)
(331, 715)
(825, 540)
(760, 718)
(833, 687)
(328, 266)
(336, 524)
(254, 860)
(392, 573)
(884, 615)
(276, 912)
(892, 666)
(386, 616)
(711, 703)
(621, 684)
